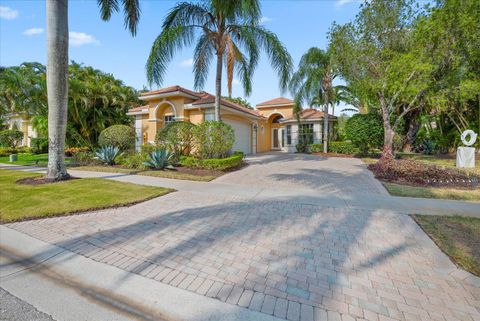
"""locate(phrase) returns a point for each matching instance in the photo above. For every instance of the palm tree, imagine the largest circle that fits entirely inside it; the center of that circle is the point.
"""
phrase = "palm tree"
(228, 30)
(57, 73)
(313, 80)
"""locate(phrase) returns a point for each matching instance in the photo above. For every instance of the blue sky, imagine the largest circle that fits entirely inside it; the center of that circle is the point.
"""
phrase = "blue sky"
(109, 47)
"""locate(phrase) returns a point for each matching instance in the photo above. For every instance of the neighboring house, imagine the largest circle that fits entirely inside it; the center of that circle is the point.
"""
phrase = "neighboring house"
(22, 122)
(272, 126)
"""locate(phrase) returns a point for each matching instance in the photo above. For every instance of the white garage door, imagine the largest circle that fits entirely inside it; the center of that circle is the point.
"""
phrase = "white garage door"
(242, 136)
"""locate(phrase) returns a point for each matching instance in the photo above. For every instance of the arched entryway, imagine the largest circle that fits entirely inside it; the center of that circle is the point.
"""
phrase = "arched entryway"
(275, 131)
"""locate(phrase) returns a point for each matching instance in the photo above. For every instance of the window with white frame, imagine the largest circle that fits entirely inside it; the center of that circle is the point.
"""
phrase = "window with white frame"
(167, 119)
(305, 133)
(289, 134)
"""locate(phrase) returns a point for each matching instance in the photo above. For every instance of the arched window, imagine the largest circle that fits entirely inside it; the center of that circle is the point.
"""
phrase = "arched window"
(276, 119)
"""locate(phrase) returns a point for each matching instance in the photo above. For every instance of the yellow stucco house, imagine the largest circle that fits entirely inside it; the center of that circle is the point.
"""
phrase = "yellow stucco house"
(23, 123)
(271, 126)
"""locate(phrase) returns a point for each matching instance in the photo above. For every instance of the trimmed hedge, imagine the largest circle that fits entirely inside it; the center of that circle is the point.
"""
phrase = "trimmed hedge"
(39, 145)
(342, 148)
(335, 147)
(6, 151)
(214, 163)
(121, 136)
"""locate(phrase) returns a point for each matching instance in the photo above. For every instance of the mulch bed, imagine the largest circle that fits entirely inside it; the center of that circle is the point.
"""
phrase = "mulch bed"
(198, 171)
(40, 180)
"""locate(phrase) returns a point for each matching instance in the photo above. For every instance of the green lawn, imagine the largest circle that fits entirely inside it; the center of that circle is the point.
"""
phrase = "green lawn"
(448, 161)
(158, 173)
(30, 159)
(457, 236)
(19, 202)
(432, 192)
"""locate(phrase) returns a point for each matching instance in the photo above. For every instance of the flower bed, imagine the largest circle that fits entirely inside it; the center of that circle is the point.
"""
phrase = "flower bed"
(420, 174)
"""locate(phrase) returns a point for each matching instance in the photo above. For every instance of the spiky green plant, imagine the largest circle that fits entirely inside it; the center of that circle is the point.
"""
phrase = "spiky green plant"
(160, 159)
(108, 154)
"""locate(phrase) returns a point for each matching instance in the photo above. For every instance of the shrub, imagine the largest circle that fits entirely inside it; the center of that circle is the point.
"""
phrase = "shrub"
(213, 139)
(10, 138)
(84, 159)
(5, 151)
(73, 150)
(148, 148)
(121, 136)
(365, 131)
(221, 164)
(421, 174)
(428, 147)
(134, 161)
(316, 148)
(39, 145)
(342, 148)
(301, 148)
(108, 154)
(177, 137)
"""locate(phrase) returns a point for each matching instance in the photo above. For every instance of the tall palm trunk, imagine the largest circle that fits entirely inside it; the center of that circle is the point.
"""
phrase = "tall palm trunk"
(218, 86)
(57, 86)
(325, 127)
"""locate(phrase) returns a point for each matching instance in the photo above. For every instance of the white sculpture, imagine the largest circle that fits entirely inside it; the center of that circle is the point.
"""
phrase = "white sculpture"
(466, 155)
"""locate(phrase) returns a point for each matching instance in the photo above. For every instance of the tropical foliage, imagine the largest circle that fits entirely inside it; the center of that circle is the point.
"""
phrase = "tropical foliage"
(108, 154)
(160, 159)
(365, 131)
(419, 68)
(313, 83)
(96, 100)
(227, 31)
(213, 139)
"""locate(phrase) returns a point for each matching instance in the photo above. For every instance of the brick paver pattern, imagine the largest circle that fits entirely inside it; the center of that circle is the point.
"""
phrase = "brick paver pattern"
(293, 261)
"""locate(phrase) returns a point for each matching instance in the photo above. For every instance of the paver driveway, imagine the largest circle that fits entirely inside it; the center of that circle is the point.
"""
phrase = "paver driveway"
(307, 172)
(277, 256)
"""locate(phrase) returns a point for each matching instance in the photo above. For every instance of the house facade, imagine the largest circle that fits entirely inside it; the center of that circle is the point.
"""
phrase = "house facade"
(23, 123)
(271, 126)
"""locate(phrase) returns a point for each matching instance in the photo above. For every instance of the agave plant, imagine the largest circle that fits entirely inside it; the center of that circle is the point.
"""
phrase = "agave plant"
(108, 154)
(160, 159)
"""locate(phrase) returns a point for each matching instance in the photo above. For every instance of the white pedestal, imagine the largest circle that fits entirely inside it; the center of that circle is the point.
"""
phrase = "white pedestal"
(466, 157)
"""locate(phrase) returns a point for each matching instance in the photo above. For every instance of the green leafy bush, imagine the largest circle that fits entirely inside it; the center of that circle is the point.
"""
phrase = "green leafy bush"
(301, 148)
(316, 148)
(10, 138)
(213, 139)
(342, 148)
(421, 174)
(84, 159)
(39, 145)
(365, 131)
(121, 136)
(108, 154)
(177, 137)
(221, 164)
(134, 160)
(148, 148)
(160, 159)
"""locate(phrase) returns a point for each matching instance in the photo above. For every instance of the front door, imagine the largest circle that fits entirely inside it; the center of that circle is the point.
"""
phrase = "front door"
(275, 140)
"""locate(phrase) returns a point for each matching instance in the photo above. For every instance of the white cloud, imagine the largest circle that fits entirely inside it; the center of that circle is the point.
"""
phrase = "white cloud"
(264, 20)
(33, 31)
(80, 38)
(187, 62)
(340, 3)
(8, 13)
(235, 81)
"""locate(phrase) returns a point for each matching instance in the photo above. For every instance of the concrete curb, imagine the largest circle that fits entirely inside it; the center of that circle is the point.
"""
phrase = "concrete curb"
(82, 289)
